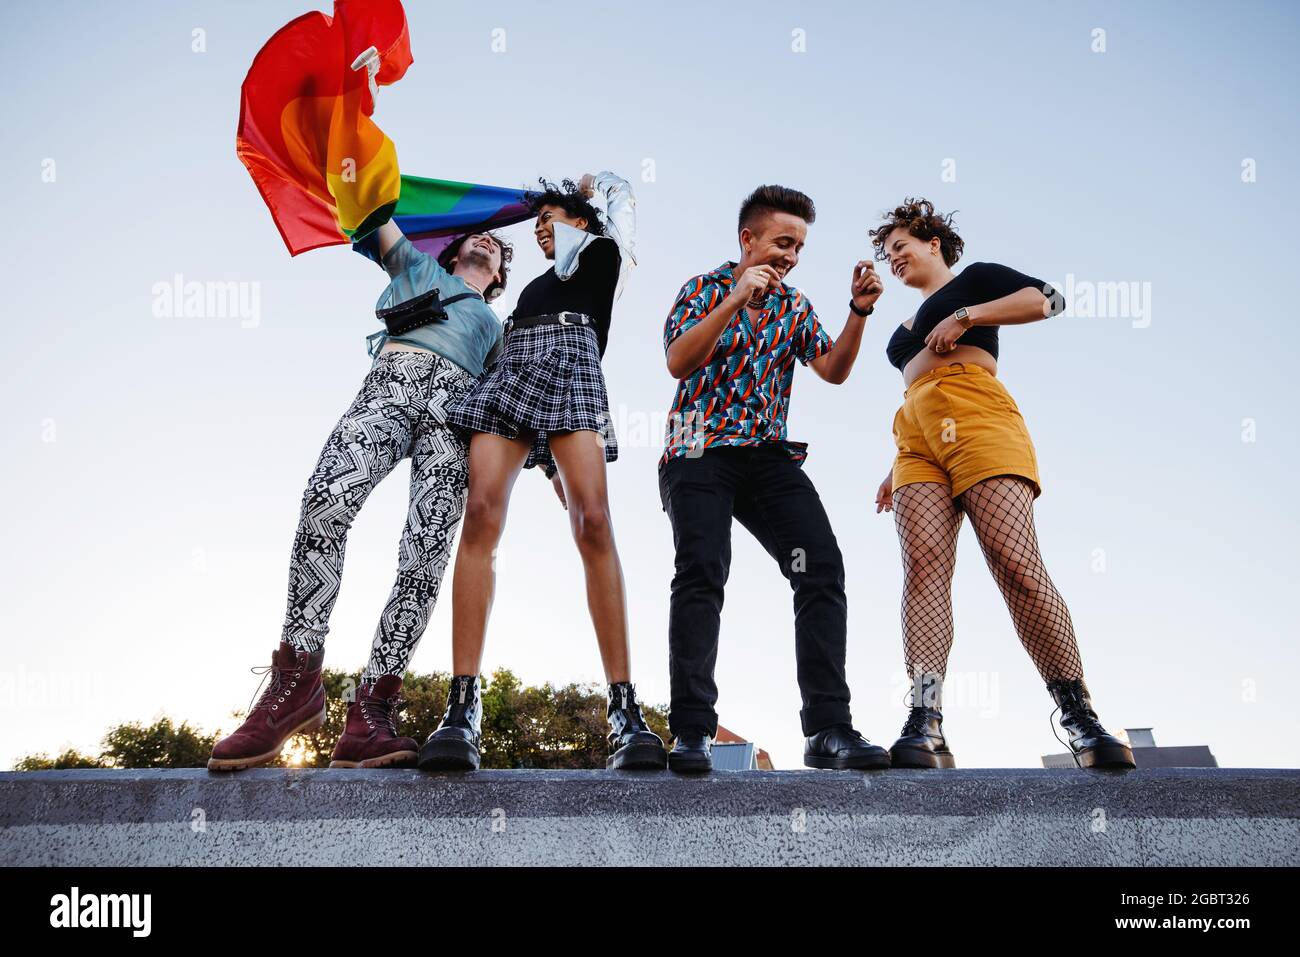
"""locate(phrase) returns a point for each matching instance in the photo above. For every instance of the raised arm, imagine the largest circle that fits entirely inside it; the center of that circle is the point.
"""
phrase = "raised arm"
(388, 235)
(396, 252)
(835, 366)
(697, 322)
(620, 209)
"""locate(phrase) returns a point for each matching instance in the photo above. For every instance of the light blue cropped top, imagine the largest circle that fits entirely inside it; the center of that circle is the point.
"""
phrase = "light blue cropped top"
(471, 336)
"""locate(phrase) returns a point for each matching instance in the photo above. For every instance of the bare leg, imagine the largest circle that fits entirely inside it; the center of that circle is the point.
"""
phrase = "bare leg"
(580, 461)
(494, 464)
(1001, 511)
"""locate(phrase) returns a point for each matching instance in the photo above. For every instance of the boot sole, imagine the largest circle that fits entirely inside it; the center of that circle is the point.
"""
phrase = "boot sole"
(867, 762)
(638, 757)
(693, 764)
(397, 758)
(447, 756)
(239, 764)
(920, 758)
(1107, 757)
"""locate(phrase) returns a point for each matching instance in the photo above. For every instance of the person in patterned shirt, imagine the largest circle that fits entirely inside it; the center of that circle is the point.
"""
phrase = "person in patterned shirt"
(732, 339)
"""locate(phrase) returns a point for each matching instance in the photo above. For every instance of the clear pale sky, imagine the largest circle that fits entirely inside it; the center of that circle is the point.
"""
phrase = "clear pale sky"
(153, 467)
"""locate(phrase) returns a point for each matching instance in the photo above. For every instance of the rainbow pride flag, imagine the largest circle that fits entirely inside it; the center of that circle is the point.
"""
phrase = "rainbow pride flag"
(432, 212)
(327, 173)
(323, 167)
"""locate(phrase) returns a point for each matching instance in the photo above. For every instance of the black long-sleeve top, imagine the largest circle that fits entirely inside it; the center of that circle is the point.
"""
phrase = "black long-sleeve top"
(590, 290)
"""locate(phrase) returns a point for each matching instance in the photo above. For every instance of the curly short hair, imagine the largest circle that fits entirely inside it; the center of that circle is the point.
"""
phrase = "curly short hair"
(507, 253)
(918, 217)
(565, 195)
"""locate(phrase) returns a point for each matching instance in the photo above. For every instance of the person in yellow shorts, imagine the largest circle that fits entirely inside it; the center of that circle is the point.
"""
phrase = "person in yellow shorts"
(963, 448)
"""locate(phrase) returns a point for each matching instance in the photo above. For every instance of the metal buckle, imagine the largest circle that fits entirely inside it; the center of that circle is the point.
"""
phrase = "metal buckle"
(563, 321)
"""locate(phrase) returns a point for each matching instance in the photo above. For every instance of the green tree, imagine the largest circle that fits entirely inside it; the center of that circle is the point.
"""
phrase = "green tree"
(159, 745)
(523, 727)
(133, 745)
(70, 758)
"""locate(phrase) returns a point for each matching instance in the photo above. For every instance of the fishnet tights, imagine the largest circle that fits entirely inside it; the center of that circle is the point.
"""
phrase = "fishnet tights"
(1001, 512)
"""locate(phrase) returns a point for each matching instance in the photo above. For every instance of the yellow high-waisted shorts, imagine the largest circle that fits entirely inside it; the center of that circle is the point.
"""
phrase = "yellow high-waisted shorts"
(957, 426)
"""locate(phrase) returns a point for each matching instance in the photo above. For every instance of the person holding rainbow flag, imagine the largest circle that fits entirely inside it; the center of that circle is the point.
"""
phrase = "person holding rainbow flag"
(330, 176)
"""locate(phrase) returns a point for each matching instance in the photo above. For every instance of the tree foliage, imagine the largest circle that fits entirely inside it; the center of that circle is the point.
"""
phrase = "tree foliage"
(524, 726)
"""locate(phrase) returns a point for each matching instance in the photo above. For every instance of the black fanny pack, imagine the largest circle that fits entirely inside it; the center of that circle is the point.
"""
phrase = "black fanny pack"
(421, 310)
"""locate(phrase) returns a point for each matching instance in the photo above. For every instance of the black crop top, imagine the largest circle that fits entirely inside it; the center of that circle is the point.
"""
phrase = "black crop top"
(978, 283)
(590, 290)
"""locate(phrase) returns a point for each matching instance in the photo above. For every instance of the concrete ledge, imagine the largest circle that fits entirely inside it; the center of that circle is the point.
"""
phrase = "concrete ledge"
(1161, 817)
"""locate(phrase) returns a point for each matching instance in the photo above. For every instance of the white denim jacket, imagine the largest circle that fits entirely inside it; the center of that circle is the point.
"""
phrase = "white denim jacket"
(620, 226)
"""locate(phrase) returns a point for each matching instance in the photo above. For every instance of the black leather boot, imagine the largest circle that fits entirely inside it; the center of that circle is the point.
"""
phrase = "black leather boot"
(841, 748)
(632, 745)
(921, 743)
(692, 753)
(454, 746)
(1093, 746)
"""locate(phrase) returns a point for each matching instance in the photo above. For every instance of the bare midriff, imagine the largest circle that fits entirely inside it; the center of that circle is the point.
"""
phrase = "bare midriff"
(927, 360)
(391, 346)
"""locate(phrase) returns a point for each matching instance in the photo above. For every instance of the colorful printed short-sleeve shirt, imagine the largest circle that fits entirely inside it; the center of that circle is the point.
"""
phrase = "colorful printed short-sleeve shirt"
(741, 395)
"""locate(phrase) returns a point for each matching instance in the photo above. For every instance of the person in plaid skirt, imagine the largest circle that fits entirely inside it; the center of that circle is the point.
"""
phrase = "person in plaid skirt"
(544, 403)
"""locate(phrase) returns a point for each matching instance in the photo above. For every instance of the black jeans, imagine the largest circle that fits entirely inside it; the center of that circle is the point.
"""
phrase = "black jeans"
(772, 497)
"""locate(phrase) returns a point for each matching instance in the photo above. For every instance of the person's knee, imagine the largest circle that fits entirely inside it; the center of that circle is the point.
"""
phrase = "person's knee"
(1016, 574)
(927, 565)
(484, 520)
(592, 528)
(820, 562)
(700, 569)
(325, 513)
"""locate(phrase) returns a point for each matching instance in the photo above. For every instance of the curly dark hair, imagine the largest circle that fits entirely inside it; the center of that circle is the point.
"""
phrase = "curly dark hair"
(565, 195)
(775, 199)
(918, 217)
(507, 253)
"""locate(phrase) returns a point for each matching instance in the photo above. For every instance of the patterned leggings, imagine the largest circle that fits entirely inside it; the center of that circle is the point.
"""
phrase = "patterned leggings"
(1001, 510)
(399, 411)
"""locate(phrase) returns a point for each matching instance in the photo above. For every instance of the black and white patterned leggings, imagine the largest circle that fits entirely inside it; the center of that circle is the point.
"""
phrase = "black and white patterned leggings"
(400, 411)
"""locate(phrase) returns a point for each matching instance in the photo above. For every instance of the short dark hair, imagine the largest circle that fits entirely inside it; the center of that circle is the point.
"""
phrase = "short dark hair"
(775, 199)
(918, 218)
(565, 195)
(507, 253)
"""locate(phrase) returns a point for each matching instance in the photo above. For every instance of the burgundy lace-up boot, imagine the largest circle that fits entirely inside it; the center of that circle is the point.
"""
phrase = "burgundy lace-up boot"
(370, 738)
(294, 701)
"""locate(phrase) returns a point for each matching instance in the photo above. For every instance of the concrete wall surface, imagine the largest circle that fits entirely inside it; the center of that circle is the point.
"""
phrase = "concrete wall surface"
(1161, 817)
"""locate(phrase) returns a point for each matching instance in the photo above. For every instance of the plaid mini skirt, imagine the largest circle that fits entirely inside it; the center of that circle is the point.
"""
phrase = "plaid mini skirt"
(547, 379)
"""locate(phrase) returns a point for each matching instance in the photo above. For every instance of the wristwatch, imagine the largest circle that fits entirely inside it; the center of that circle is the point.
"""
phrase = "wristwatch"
(964, 317)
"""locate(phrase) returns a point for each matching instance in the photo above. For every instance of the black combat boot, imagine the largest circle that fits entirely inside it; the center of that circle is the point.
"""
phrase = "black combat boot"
(1092, 745)
(632, 745)
(921, 743)
(454, 746)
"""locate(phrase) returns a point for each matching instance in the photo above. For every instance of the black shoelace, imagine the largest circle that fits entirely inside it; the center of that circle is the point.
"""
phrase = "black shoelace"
(916, 722)
(1085, 719)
